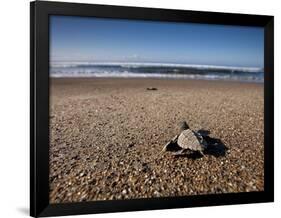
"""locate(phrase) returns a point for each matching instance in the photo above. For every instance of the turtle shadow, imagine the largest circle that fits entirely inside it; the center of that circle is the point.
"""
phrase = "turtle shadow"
(215, 147)
(173, 147)
(204, 132)
(192, 155)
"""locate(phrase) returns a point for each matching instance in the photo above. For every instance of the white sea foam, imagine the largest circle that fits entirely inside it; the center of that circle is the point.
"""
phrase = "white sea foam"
(64, 64)
(107, 74)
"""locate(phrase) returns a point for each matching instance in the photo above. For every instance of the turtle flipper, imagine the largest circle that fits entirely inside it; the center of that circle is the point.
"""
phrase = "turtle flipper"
(170, 143)
(174, 140)
(179, 152)
(165, 147)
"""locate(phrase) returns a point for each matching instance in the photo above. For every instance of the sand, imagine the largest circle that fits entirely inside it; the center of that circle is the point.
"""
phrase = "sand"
(105, 136)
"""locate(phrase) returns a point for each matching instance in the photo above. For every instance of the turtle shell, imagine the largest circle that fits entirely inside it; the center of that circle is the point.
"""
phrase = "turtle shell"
(188, 139)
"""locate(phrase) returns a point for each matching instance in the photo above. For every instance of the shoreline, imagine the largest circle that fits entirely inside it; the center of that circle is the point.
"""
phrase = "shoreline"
(158, 78)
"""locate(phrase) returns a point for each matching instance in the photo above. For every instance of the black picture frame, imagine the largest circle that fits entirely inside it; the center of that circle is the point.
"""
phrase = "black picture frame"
(39, 107)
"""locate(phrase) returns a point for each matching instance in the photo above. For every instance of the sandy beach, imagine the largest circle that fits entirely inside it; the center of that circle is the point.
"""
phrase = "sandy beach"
(106, 134)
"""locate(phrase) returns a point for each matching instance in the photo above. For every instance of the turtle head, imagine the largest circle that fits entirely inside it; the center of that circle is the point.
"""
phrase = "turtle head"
(183, 126)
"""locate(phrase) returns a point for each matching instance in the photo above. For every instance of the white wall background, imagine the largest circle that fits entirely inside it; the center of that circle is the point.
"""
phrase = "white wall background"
(14, 106)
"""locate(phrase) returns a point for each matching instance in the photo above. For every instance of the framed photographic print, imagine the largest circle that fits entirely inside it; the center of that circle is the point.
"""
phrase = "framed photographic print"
(140, 108)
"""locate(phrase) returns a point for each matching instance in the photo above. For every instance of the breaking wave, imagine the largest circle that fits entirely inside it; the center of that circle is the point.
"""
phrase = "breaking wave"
(155, 70)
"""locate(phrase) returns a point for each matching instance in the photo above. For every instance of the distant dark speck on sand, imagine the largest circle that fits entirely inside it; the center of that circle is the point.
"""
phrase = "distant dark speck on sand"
(151, 89)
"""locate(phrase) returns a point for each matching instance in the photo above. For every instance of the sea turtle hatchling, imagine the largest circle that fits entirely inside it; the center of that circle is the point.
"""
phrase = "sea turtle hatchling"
(187, 140)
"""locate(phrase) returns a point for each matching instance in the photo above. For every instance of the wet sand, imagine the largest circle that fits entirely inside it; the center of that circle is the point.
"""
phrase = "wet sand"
(105, 135)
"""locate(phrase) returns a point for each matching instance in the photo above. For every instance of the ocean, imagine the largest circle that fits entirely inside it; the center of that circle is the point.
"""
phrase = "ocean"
(155, 70)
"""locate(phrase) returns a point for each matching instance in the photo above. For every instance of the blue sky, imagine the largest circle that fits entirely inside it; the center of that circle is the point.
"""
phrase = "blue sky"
(112, 40)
